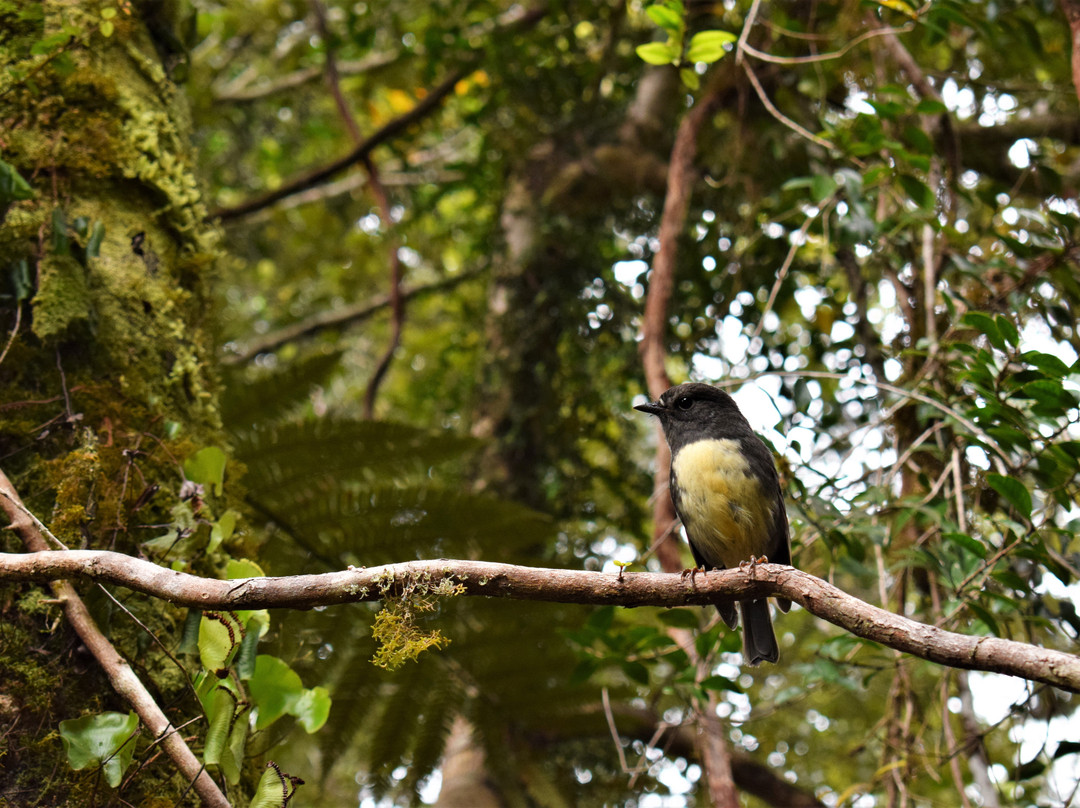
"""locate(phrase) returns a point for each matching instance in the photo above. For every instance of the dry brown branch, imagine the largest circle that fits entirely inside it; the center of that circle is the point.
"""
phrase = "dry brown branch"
(488, 579)
(119, 672)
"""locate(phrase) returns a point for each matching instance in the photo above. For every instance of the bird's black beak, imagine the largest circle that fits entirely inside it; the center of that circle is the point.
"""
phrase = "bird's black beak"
(651, 408)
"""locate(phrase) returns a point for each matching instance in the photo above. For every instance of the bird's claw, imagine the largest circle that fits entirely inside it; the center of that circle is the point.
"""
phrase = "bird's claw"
(692, 573)
(751, 565)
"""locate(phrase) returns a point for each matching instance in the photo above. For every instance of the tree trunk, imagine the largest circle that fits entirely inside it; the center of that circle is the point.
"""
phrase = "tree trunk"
(104, 255)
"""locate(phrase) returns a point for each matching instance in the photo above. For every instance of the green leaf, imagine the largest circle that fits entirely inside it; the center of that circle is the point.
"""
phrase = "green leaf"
(222, 530)
(312, 708)
(275, 689)
(1007, 329)
(246, 655)
(983, 614)
(668, 19)
(189, 637)
(930, 106)
(708, 46)
(919, 191)
(969, 543)
(680, 618)
(207, 467)
(12, 186)
(275, 788)
(985, 324)
(220, 716)
(658, 53)
(690, 78)
(601, 619)
(636, 672)
(722, 683)
(220, 635)
(60, 242)
(822, 187)
(102, 739)
(1013, 490)
(1047, 363)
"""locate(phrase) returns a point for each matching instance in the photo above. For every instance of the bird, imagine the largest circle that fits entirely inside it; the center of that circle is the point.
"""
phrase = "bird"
(726, 491)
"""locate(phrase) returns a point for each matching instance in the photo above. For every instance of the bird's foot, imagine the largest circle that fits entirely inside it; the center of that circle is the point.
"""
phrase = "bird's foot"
(692, 573)
(751, 565)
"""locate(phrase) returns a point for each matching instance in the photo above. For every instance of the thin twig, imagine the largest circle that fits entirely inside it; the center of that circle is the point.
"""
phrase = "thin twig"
(776, 113)
(116, 668)
(339, 318)
(14, 333)
(796, 243)
(822, 57)
(397, 300)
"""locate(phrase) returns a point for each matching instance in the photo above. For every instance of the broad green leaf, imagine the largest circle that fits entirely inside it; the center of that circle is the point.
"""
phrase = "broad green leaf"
(312, 708)
(1047, 363)
(220, 635)
(690, 78)
(222, 530)
(985, 324)
(708, 46)
(1013, 490)
(274, 790)
(104, 739)
(667, 18)
(1007, 329)
(717, 682)
(207, 467)
(822, 187)
(969, 543)
(275, 689)
(658, 53)
(919, 192)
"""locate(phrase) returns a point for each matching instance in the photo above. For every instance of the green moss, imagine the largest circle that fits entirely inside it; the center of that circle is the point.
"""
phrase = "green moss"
(63, 298)
(110, 353)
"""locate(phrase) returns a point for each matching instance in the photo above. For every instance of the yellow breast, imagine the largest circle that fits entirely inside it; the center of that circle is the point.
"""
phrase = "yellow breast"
(721, 503)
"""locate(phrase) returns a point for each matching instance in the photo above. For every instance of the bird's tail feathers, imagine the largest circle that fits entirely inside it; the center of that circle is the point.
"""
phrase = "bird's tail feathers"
(759, 641)
(728, 614)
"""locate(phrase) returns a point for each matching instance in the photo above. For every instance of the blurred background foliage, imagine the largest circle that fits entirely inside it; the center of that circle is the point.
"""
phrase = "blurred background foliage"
(880, 254)
(880, 262)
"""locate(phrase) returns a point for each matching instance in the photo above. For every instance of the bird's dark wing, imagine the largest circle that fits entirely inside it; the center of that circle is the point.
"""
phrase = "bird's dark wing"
(780, 541)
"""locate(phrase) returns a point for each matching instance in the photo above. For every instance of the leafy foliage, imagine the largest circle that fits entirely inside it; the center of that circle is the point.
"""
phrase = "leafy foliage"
(881, 254)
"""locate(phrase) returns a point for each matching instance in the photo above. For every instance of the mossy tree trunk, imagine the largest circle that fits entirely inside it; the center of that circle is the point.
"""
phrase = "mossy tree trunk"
(106, 381)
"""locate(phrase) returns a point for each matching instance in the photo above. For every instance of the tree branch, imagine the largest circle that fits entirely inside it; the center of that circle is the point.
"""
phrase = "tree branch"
(338, 318)
(488, 579)
(121, 676)
(428, 104)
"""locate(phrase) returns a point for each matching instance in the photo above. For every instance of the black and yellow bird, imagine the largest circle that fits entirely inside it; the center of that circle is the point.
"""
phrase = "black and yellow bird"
(727, 493)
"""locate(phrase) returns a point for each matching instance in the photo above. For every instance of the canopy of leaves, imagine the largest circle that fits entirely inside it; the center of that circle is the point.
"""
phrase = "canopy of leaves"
(881, 239)
(880, 261)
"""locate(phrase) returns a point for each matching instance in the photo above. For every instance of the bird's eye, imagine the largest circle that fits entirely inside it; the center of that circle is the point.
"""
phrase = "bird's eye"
(684, 403)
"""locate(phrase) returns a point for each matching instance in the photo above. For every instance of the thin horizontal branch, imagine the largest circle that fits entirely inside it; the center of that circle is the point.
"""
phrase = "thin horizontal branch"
(428, 104)
(338, 318)
(245, 89)
(121, 676)
(487, 579)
